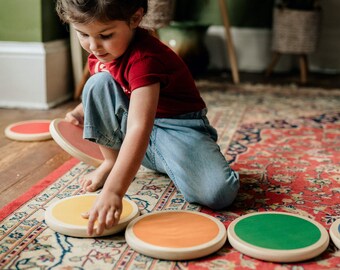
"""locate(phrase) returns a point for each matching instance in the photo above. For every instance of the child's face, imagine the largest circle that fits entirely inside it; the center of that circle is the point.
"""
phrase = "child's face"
(107, 41)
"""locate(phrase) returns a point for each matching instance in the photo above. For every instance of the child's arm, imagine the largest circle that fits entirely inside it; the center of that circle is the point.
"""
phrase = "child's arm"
(142, 111)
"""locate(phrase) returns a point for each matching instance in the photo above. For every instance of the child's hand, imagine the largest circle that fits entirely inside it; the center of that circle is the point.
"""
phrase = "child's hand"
(106, 211)
(74, 119)
(76, 116)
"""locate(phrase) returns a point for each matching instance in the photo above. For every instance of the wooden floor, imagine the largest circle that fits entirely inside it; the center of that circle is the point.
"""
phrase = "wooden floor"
(22, 164)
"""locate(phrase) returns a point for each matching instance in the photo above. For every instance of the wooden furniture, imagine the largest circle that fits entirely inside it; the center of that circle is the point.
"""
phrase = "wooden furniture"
(66, 216)
(278, 236)
(176, 235)
(295, 32)
(30, 130)
(229, 42)
(70, 138)
(303, 64)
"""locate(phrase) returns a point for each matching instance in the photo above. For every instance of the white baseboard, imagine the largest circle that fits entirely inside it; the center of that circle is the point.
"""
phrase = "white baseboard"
(253, 50)
(34, 75)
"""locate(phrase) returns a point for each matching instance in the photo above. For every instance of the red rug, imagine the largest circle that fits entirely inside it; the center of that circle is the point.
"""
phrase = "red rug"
(285, 147)
(287, 166)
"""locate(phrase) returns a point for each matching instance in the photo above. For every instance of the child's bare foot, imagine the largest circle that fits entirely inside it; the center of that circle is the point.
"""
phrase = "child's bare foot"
(96, 179)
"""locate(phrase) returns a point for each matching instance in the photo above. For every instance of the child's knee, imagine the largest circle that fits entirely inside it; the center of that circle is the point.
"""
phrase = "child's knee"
(218, 196)
(96, 82)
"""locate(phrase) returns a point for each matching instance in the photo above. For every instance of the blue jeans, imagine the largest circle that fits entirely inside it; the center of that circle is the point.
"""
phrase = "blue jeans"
(183, 147)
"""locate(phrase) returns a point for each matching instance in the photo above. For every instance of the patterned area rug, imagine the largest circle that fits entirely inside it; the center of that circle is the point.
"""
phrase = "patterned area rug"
(283, 141)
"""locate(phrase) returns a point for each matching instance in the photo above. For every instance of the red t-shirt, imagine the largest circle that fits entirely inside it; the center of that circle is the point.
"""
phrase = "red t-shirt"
(147, 61)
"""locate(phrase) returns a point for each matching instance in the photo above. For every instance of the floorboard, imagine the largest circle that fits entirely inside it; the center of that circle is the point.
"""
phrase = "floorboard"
(22, 164)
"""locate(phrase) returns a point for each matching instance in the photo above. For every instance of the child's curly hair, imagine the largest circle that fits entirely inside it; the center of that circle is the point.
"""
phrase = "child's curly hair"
(86, 11)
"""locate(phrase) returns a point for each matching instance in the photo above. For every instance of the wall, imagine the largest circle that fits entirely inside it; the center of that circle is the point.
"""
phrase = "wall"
(327, 56)
(34, 21)
(20, 24)
(34, 55)
(251, 23)
(242, 13)
(251, 30)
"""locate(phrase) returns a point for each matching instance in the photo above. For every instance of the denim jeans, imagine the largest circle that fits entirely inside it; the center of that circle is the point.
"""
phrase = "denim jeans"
(183, 147)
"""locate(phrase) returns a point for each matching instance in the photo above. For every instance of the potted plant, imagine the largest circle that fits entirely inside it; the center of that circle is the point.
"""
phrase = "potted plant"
(186, 38)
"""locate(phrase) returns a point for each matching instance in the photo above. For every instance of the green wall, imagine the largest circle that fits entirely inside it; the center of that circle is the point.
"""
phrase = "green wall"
(242, 13)
(30, 20)
(37, 21)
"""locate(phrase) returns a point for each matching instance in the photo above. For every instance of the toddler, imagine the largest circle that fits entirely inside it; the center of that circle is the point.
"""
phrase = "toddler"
(141, 106)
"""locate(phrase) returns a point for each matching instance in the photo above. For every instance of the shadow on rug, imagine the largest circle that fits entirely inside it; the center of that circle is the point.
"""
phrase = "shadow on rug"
(285, 144)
